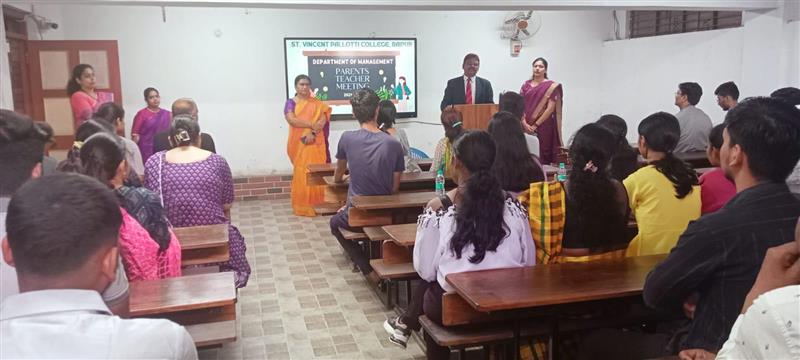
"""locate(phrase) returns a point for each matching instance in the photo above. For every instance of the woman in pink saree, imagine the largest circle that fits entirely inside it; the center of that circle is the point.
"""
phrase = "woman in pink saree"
(83, 98)
(148, 122)
(543, 102)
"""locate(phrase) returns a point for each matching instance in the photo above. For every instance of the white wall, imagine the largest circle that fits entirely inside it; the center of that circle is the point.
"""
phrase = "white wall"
(237, 78)
(6, 100)
(641, 76)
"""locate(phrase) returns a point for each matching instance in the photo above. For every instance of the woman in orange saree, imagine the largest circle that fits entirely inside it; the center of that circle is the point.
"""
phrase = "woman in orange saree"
(307, 144)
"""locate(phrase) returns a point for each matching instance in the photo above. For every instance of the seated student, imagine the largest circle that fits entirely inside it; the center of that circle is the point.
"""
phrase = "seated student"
(21, 150)
(719, 255)
(715, 188)
(792, 96)
(596, 204)
(727, 95)
(443, 155)
(662, 195)
(514, 103)
(767, 326)
(114, 115)
(148, 247)
(695, 124)
(513, 165)
(386, 121)
(196, 187)
(84, 131)
(375, 160)
(624, 161)
(62, 239)
(183, 106)
(476, 226)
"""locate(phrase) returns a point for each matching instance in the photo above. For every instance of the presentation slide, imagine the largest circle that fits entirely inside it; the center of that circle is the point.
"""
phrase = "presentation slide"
(338, 67)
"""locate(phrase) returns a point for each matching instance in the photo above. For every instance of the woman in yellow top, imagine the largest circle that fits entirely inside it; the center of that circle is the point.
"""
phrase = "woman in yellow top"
(307, 117)
(664, 195)
(443, 155)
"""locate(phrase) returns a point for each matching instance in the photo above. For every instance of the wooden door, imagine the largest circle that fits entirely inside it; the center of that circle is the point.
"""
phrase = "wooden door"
(17, 38)
(50, 66)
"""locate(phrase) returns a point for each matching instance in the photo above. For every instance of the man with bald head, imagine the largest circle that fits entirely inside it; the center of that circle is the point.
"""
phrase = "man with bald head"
(183, 106)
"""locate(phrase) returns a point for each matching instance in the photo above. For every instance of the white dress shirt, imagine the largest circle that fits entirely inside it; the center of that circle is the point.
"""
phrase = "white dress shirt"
(769, 329)
(76, 324)
(433, 258)
(472, 84)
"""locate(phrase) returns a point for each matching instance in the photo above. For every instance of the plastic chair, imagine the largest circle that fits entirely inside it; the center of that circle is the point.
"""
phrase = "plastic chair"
(415, 153)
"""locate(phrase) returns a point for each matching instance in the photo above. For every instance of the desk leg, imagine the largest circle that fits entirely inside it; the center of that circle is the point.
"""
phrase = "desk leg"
(553, 339)
(516, 339)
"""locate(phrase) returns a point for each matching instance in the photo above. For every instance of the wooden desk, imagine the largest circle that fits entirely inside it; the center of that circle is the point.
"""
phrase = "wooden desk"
(408, 181)
(521, 291)
(403, 234)
(316, 172)
(698, 159)
(555, 284)
(701, 171)
(402, 200)
(387, 209)
(202, 245)
(187, 300)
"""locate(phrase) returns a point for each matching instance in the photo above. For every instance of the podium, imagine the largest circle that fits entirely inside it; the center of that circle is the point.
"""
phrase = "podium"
(477, 116)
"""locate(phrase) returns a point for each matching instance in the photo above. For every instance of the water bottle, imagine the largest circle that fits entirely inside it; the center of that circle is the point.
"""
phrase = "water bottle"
(561, 175)
(439, 183)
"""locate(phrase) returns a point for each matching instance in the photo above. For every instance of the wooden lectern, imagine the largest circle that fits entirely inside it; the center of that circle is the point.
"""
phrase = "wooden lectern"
(477, 116)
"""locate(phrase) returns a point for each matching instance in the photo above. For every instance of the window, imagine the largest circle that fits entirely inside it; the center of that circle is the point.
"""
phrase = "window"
(654, 23)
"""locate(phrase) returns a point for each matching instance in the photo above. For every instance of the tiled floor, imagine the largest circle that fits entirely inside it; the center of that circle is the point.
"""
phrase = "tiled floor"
(302, 300)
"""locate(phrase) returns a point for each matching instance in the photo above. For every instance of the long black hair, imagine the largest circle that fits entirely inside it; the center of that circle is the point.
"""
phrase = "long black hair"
(592, 193)
(662, 131)
(479, 218)
(101, 155)
(386, 114)
(100, 158)
(513, 165)
(453, 123)
(184, 131)
(73, 161)
(624, 160)
(110, 113)
(72, 85)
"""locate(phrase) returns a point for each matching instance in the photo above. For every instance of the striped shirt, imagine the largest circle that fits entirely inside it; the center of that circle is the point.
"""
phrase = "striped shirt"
(719, 256)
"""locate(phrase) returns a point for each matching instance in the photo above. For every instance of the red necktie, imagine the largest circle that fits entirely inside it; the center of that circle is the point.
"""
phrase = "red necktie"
(469, 91)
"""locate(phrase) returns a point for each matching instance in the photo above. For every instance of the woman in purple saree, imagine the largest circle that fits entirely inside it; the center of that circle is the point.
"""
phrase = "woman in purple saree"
(543, 102)
(148, 122)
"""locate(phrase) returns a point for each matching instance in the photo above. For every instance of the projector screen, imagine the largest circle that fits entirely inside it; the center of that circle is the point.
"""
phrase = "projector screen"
(338, 67)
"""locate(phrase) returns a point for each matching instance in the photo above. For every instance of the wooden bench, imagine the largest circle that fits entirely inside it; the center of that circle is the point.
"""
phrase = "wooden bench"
(201, 245)
(376, 237)
(327, 208)
(352, 235)
(213, 334)
(393, 275)
(186, 300)
(395, 267)
(403, 234)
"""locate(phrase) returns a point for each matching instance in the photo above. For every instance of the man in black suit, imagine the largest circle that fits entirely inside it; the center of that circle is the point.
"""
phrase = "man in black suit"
(479, 91)
(183, 106)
